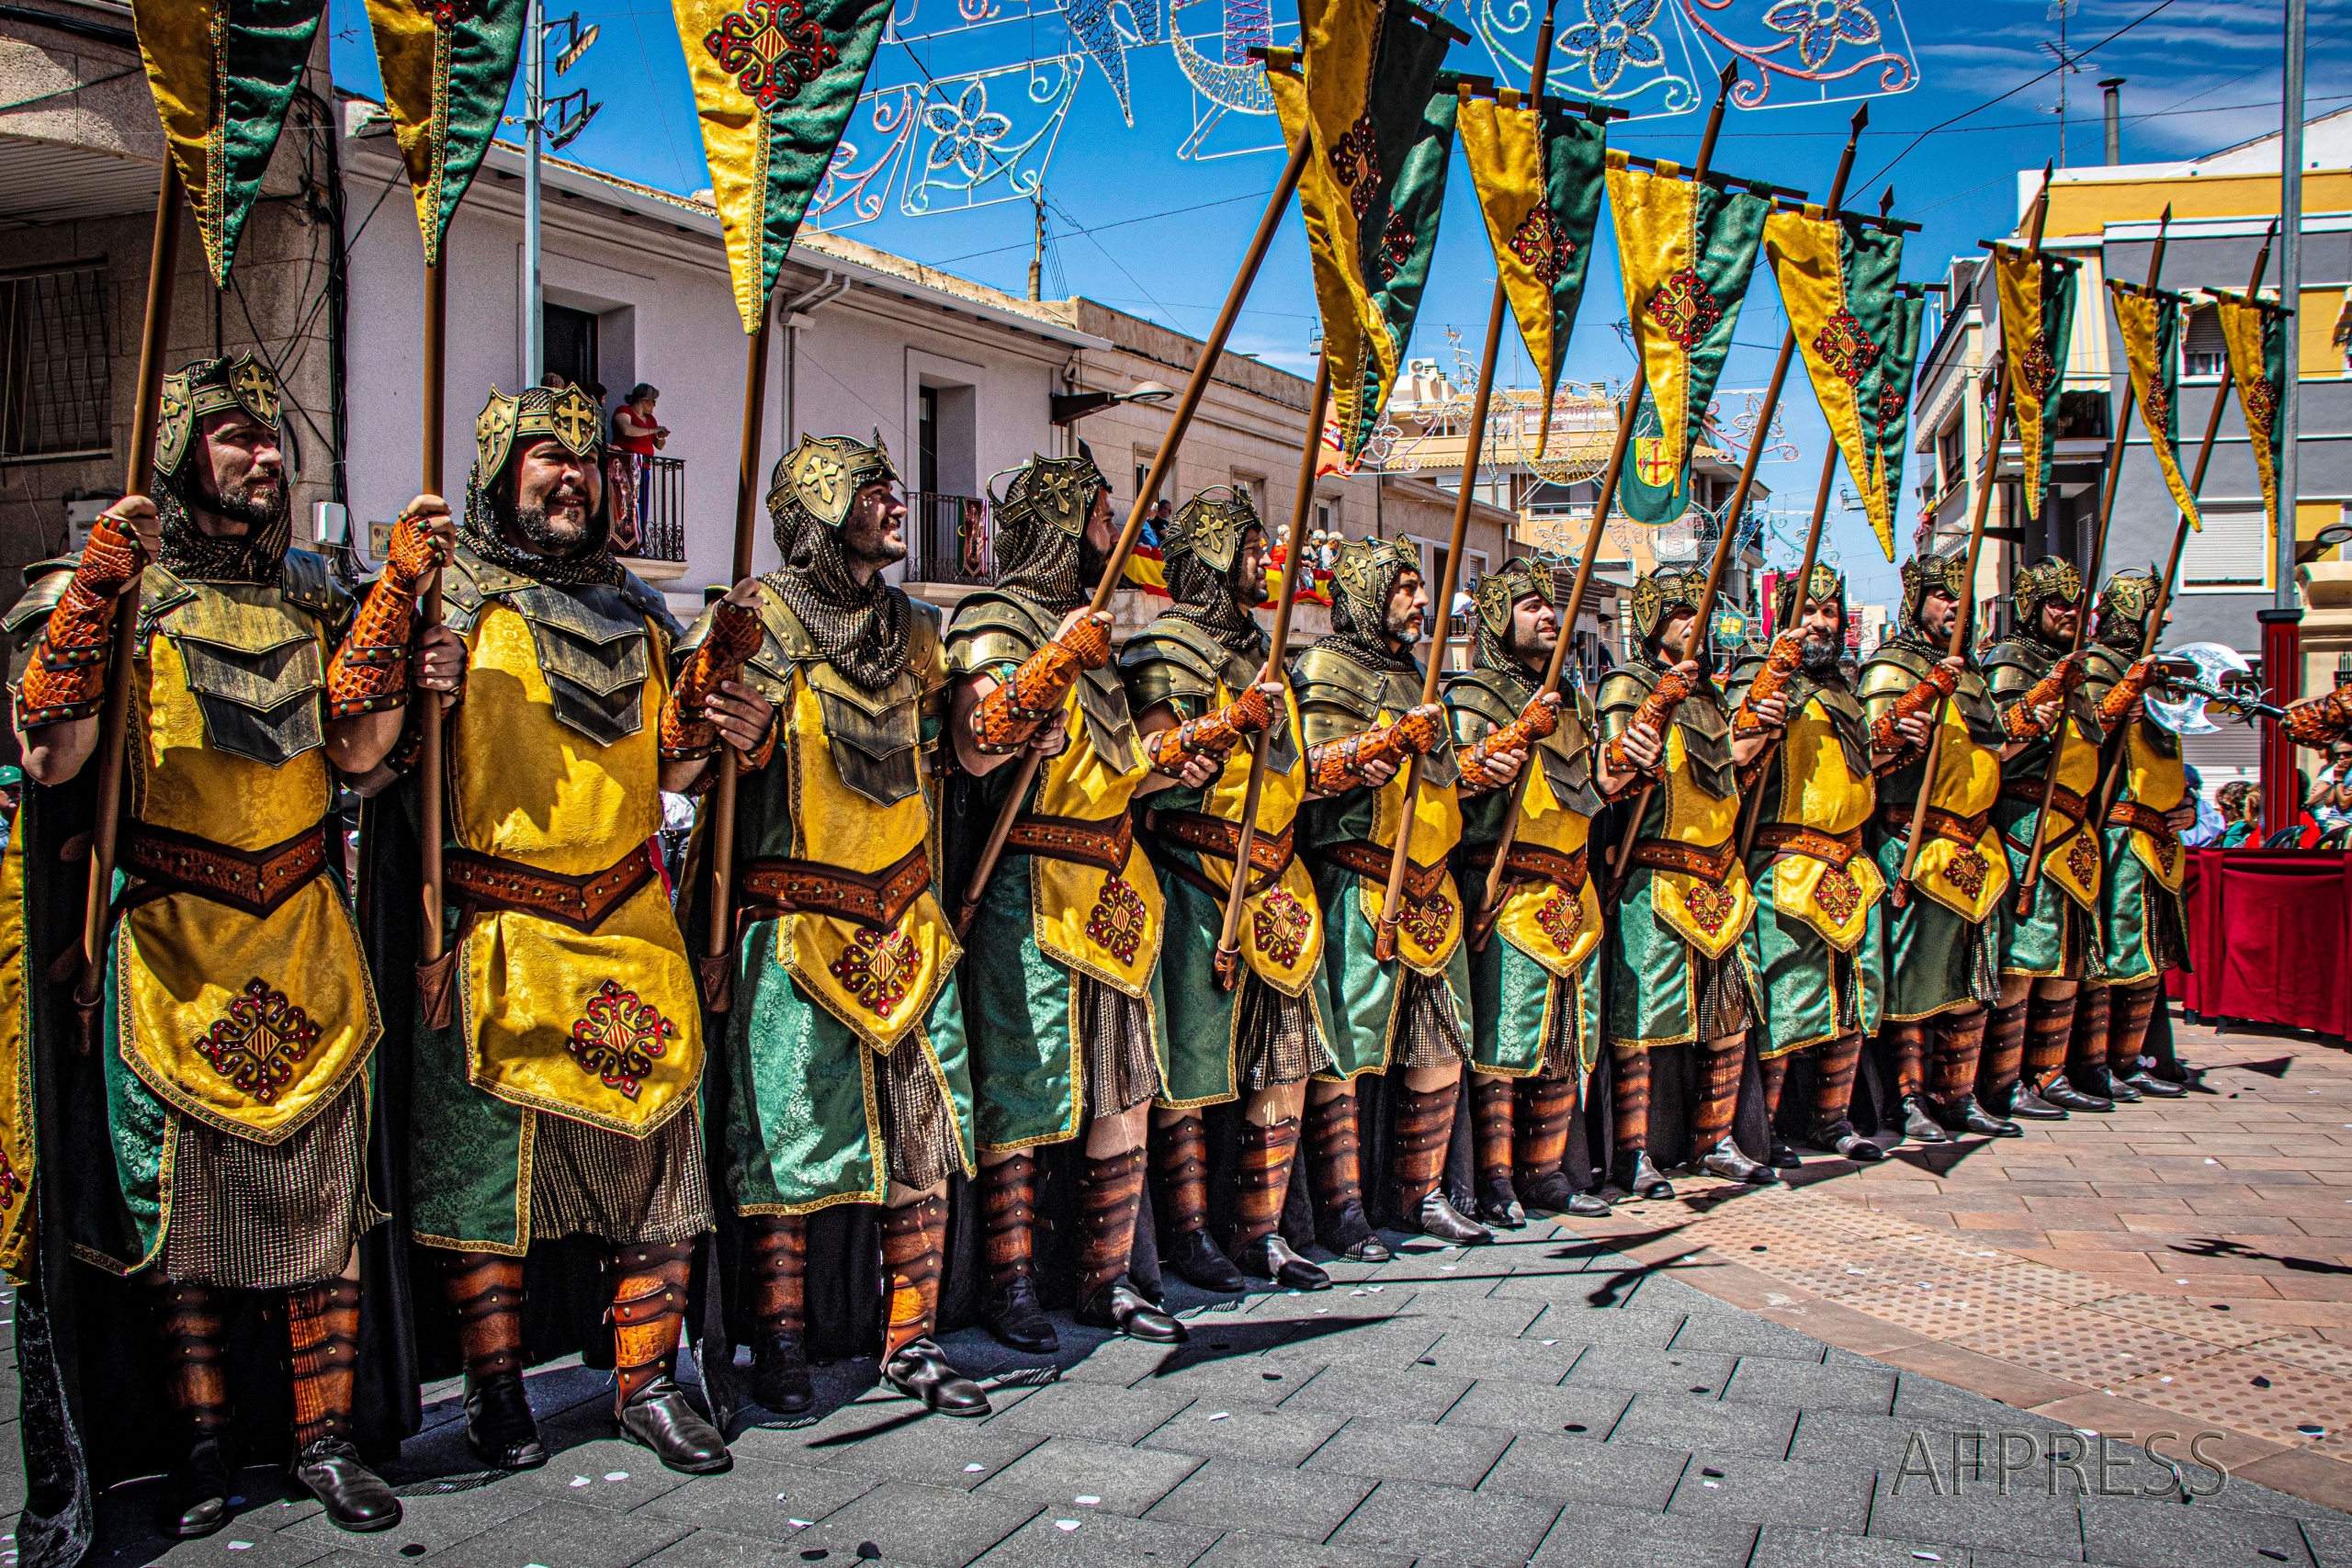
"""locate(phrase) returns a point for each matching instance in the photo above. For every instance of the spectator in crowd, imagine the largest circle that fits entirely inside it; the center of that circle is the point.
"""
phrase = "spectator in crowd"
(2331, 797)
(638, 433)
(2209, 822)
(1156, 522)
(2241, 806)
(555, 380)
(12, 789)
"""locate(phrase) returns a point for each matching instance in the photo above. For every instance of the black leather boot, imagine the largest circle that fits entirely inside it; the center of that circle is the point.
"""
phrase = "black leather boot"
(1633, 1172)
(500, 1429)
(657, 1416)
(1779, 1156)
(1438, 1218)
(1119, 1305)
(1499, 1204)
(1965, 1115)
(1192, 1257)
(1726, 1161)
(1551, 1191)
(780, 1378)
(353, 1496)
(2101, 1084)
(1018, 1322)
(2154, 1088)
(2025, 1105)
(1840, 1139)
(2066, 1097)
(196, 1494)
(1271, 1257)
(921, 1371)
(1920, 1124)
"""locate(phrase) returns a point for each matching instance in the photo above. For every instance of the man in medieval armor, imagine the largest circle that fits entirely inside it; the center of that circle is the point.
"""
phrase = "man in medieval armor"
(1244, 1025)
(1815, 943)
(841, 1076)
(2048, 949)
(237, 989)
(1396, 1010)
(558, 1052)
(1677, 974)
(1068, 1032)
(1536, 957)
(1942, 934)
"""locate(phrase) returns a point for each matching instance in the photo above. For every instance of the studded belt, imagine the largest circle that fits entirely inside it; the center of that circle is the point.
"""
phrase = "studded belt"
(584, 903)
(2146, 819)
(2034, 792)
(1369, 860)
(1533, 862)
(1100, 844)
(1712, 866)
(1950, 826)
(774, 886)
(1269, 854)
(255, 881)
(1833, 849)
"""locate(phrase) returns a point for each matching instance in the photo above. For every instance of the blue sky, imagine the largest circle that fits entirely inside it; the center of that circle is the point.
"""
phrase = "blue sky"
(1141, 228)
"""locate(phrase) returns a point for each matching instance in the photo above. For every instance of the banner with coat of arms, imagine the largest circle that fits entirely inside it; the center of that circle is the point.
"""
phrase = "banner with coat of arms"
(2036, 295)
(2254, 333)
(2150, 319)
(446, 70)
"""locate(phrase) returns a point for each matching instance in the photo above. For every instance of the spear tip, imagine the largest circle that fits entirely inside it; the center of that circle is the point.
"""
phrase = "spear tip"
(1730, 75)
(1862, 118)
(1886, 201)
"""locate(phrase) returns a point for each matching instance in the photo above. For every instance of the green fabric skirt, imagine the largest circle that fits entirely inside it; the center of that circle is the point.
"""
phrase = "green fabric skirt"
(1657, 979)
(796, 1102)
(1359, 994)
(2144, 928)
(1812, 992)
(1200, 1016)
(2055, 939)
(1934, 960)
(1516, 1006)
(1021, 1015)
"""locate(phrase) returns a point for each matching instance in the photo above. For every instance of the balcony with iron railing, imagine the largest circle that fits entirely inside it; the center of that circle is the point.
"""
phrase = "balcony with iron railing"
(949, 540)
(649, 511)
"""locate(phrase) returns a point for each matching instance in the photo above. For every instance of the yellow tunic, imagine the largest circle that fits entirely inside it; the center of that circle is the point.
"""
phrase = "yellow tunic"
(1281, 930)
(1819, 789)
(604, 1027)
(1966, 879)
(1709, 918)
(1428, 930)
(2161, 783)
(1538, 918)
(2070, 852)
(1104, 923)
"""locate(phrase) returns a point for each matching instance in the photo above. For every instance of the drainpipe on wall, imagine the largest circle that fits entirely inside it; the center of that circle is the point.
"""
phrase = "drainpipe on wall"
(792, 313)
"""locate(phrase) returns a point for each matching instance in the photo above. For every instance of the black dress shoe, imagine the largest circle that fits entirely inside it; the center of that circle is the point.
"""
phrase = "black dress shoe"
(2154, 1088)
(1919, 1123)
(2026, 1106)
(1551, 1191)
(1840, 1139)
(1192, 1257)
(1348, 1234)
(196, 1496)
(1499, 1204)
(921, 1371)
(659, 1418)
(1640, 1178)
(1271, 1258)
(1779, 1156)
(1437, 1217)
(500, 1430)
(353, 1496)
(2101, 1084)
(1964, 1115)
(1725, 1160)
(2066, 1097)
(780, 1374)
(1121, 1306)
(1018, 1322)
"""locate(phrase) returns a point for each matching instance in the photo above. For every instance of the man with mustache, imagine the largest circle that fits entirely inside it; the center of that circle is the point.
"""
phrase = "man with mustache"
(239, 1017)
(1251, 1030)
(1403, 1016)
(840, 1074)
(1068, 1029)
(1814, 944)
(558, 1050)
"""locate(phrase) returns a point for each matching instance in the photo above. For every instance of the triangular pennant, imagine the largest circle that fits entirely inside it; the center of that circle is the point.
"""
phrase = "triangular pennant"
(775, 83)
(1538, 180)
(446, 70)
(1886, 396)
(1838, 280)
(1652, 492)
(1398, 233)
(2151, 325)
(2036, 295)
(2254, 333)
(223, 76)
(1685, 251)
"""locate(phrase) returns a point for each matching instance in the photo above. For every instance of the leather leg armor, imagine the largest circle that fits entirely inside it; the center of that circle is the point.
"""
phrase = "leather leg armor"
(486, 1290)
(1335, 1170)
(1179, 1204)
(1908, 1043)
(188, 1319)
(1111, 1193)
(914, 1244)
(1492, 1099)
(2087, 1045)
(1424, 1129)
(648, 1312)
(2049, 1032)
(322, 1327)
(1959, 1047)
(1540, 1142)
(2131, 1012)
(1009, 1219)
(1833, 1091)
(1630, 1105)
(776, 1270)
(2003, 1062)
(1718, 1096)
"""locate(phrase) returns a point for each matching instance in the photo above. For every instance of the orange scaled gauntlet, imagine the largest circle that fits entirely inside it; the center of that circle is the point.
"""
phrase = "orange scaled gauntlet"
(2017, 721)
(686, 731)
(1787, 653)
(369, 672)
(1019, 707)
(1211, 734)
(1658, 712)
(1535, 721)
(2315, 721)
(1941, 682)
(2127, 691)
(1338, 765)
(67, 677)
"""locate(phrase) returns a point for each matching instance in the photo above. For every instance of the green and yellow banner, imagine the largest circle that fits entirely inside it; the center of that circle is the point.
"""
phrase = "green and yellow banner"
(2255, 333)
(1886, 402)
(1840, 285)
(2036, 295)
(2151, 322)
(1539, 178)
(223, 72)
(446, 70)
(1685, 251)
(775, 83)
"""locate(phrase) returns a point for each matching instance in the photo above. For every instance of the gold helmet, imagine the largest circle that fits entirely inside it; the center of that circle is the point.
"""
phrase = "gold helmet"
(1659, 591)
(820, 478)
(2039, 583)
(1507, 585)
(1210, 526)
(1923, 574)
(237, 381)
(2124, 606)
(1366, 574)
(505, 426)
(1058, 491)
(1828, 583)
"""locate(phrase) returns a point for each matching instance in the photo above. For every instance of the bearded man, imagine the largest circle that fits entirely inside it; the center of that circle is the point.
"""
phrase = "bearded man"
(1069, 1040)
(1361, 716)
(1246, 1025)
(239, 1016)
(559, 1095)
(1815, 943)
(2143, 924)
(1536, 978)
(2037, 683)
(1678, 974)
(841, 1076)
(1942, 934)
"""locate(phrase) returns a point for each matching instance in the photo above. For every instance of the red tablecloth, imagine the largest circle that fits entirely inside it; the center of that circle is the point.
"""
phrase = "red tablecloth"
(2270, 938)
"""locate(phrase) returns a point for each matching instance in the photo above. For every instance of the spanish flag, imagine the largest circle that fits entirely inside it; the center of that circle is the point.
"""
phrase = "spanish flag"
(446, 70)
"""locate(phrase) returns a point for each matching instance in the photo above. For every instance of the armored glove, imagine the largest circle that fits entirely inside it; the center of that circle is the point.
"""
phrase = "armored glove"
(1886, 735)
(1658, 712)
(1537, 720)
(67, 677)
(369, 672)
(2017, 721)
(1211, 734)
(1009, 716)
(686, 730)
(1338, 765)
(1787, 653)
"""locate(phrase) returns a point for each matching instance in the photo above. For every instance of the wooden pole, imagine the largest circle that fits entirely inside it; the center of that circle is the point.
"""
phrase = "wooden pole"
(2115, 449)
(1620, 863)
(1440, 611)
(1964, 613)
(1162, 464)
(1490, 904)
(433, 984)
(1754, 803)
(114, 723)
(715, 967)
(1228, 950)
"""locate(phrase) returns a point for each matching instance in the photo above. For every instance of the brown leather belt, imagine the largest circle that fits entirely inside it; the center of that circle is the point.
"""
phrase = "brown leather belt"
(773, 887)
(2034, 791)
(1102, 844)
(1269, 855)
(1710, 866)
(2146, 819)
(1369, 860)
(255, 881)
(1950, 826)
(584, 903)
(1834, 849)
(1533, 863)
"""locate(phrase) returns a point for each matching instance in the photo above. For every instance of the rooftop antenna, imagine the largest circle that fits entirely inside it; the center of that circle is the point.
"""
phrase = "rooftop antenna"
(2068, 62)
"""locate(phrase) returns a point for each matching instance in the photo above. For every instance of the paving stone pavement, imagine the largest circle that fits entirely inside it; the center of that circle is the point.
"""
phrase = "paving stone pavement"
(1592, 1397)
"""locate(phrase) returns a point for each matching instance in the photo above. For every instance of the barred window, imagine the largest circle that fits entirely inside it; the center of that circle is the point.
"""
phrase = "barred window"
(55, 399)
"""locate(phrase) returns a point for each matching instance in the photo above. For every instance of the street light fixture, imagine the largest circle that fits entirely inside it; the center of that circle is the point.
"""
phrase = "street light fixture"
(2327, 539)
(1069, 408)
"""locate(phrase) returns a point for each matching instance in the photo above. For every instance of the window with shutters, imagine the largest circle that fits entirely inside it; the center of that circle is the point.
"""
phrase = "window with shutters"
(2202, 351)
(55, 395)
(1950, 456)
(2230, 555)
